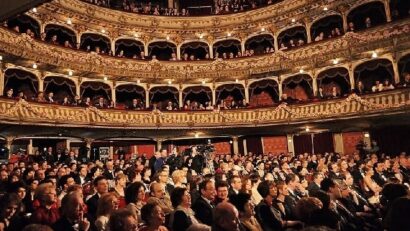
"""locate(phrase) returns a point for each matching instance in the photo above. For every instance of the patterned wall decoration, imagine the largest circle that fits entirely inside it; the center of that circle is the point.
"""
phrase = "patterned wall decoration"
(275, 144)
(222, 147)
(262, 99)
(350, 140)
(148, 149)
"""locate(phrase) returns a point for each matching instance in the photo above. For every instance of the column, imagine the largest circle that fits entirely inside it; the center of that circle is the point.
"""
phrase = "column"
(179, 52)
(213, 96)
(146, 49)
(211, 51)
(280, 88)
(180, 101)
(113, 48)
(396, 71)
(245, 147)
(78, 89)
(9, 141)
(387, 9)
(111, 152)
(170, 3)
(291, 146)
(1, 81)
(235, 145)
(147, 97)
(113, 95)
(41, 84)
(88, 143)
(351, 76)
(308, 33)
(338, 143)
(345, 24)
(275, 42)
(30, 147)
(246, 93)
(159, 144)
(315, 88)
(68, 144)
(243, 46)
(367, 139)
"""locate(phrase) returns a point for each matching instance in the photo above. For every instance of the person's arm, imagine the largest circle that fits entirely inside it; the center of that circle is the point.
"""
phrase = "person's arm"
(181, 221)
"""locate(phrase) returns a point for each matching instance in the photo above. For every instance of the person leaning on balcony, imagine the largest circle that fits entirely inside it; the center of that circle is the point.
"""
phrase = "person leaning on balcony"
(406, 81)
(359, 90)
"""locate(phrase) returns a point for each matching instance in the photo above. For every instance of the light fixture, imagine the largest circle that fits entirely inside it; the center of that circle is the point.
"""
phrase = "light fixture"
(69, 22)
(335, 61)
(35, 10)
(138, 81)
(201, 36)
(366, 134)
(203, 82)
(301, 71)
(236, 80)
(1, 58)
(169, 82)
(102, 31)
(105, 78)
(35, 65)
(167, 37)
(196, 135)
(230, 142)
(290, 140)
(325, 8)
(70, 73)
(263, 29)
(229, 34)
(293, 20)
(307, 129)
(136, 35)
(374, 54)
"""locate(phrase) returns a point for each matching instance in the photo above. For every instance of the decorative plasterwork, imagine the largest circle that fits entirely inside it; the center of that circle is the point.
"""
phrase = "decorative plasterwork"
(23, 112)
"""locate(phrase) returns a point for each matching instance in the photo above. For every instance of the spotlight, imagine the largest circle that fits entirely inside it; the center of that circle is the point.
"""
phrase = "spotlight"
(102, 31)
(69, 22)
(301, 71)
(293, 20)
(236, 80)
(138, 81)
(325, 8)
(168, 37)
(203, 82)
(307, 129)
(374, 54)
(230, 142)
(229, 34)
(335, 61)
(35, 10)
(201, 36)
(136, 35)
(263, 29)
(196, 135)
(34, 65)
(366, 134)
(169, 82)
(105, 78)
(289, 140)
(1, 58)
(70, 73)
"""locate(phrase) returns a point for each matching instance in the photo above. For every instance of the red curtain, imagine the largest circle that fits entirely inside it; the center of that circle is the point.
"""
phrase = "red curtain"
(254, 145)
(323, 142)
(392, 140)
(302, 144)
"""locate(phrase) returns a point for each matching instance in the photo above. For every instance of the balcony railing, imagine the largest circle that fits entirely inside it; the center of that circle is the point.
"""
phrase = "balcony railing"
(23, 112)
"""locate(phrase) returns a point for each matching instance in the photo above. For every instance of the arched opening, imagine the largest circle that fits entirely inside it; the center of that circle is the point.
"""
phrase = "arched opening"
(374, 72)
(367, 15)
(327, 27)
(96, 43)
(194, 51)
(399, 8)
(292, 37)
(163, 96)
(230, 95)
(131, 96)
(263, 93)
(227, 49)
(260, 44)
(60, 86)
(298, 87)
(333, 82)
(404, 67)
(162, 50)
(128, 48)
(24, 24)
(60, 35)
(95, 90)
(21, 81)
(196, 96)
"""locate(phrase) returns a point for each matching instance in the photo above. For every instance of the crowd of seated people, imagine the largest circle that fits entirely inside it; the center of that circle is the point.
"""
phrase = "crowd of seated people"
(68, 190)
(335, 32)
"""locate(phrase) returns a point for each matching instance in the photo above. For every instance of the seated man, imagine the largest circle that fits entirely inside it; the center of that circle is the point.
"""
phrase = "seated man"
(226, 218)
(157, 196)
(203, 206)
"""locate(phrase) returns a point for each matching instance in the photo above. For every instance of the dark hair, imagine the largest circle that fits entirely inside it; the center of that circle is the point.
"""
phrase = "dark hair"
(203, 184)
(98, 179)
(221, 184)
(63, 180)
(290, 178)
(391, 192)
(326, 184)
(131, 192)
(239, 200)
(396, 217)
(232, 178)
(146, 212)
(176, 196)
(323, 197)
(264, 188)
(14, 187)
(7, 200)
(118, 219)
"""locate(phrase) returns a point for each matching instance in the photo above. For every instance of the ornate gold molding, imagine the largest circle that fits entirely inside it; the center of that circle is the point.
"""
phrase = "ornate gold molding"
(23, 112)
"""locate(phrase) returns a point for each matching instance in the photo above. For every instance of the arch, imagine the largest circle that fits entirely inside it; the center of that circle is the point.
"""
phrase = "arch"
(227, 46)
(163, 50)
(21, 81)
(95, 42)
(162, 95)
(259, 43)
(198, 94)
(404, 66)
(199, 49)
(298, 87)
(229, 93)
(130, 47)
(263, 93)
(374, 70)
(373, 10)
(24, 22)
(334, 77)
(126, 93)
(399, 8)
(63, 34)
(292, 37)
(60, 86)
(95, 90)
(327, 25)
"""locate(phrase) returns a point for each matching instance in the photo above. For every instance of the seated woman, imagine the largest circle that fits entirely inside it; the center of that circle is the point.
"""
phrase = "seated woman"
(246, 209)
(370, 187)
(183, 215)
(135, 198)
(153, 217)
(106, 205)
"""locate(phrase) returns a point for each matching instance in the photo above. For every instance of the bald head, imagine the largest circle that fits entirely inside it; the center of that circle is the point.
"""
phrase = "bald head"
(226, 217)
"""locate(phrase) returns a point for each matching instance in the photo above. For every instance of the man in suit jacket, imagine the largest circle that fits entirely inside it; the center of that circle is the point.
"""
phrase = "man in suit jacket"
(315, 184)
(203, 206)
(236, 185)
(378, 175)
(109, 172)
(101, 185)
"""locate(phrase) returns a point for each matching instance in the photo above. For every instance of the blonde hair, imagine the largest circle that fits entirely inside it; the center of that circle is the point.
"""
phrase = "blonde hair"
(105, 204)
(178, 175)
